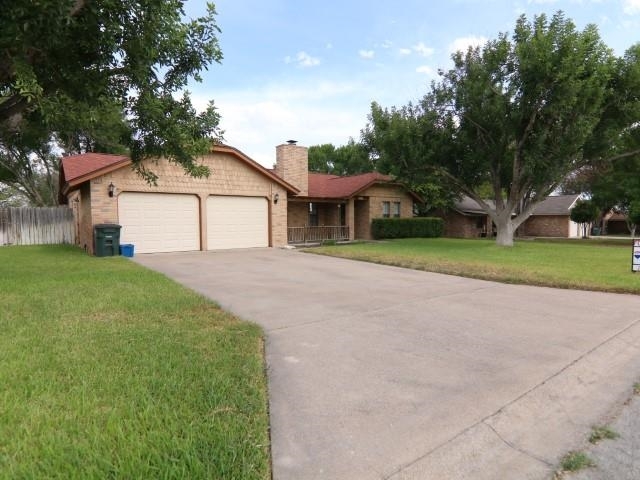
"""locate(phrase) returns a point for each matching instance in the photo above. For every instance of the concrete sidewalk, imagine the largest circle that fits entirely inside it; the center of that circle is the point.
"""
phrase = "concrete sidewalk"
(383, 372)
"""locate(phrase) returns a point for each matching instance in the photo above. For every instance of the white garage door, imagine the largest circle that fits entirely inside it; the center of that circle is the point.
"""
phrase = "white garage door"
(159, 222)
(237, 222)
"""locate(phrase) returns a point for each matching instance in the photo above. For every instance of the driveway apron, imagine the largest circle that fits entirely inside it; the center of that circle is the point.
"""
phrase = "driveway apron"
(382, 372)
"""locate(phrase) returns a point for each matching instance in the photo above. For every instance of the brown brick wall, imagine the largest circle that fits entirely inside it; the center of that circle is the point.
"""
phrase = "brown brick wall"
(376, 195)
(229, 176)
(545, 226)
(328, 214)
(363, 220)
(292, 164)
(85, 230)
(457, 225)
(298, 214)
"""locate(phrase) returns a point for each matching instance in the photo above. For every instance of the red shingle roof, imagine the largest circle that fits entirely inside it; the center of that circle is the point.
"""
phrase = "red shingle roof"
(322, 185)
(76, 166)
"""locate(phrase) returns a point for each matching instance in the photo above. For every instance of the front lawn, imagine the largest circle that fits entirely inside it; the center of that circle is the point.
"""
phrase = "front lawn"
(579, 264)
(109, 370)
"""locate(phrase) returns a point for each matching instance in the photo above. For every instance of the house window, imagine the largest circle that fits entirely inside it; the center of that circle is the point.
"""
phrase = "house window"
(313, 214)
(396, 209)
(386, 209)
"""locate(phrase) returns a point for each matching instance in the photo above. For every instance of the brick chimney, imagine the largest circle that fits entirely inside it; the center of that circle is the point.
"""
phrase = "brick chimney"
(292, 165)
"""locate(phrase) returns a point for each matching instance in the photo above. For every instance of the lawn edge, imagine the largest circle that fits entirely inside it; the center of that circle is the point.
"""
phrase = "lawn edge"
(476, 276)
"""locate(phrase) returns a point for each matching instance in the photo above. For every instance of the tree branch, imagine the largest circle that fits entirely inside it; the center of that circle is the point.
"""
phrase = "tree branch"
(11, 108)
(77, 7)
(470, 193)
(623, 155)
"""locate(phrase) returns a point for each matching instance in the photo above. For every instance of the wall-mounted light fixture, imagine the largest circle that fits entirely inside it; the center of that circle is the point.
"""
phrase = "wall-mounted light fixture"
(112, 189)
(276, 197)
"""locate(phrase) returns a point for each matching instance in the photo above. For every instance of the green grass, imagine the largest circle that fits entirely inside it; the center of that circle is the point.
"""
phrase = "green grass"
(599, 433)
(108, 370)
(603, 265)
(574, 461)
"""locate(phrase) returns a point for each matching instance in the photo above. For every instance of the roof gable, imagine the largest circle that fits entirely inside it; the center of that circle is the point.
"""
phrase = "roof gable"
(78, 166)
(77, 169)
(556, 205)
(324, 185)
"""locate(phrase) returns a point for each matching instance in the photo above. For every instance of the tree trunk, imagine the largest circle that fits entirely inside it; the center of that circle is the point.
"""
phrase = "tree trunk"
(505, 229)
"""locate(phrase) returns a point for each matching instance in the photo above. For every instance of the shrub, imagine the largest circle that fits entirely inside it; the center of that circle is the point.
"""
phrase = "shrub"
(420, 227)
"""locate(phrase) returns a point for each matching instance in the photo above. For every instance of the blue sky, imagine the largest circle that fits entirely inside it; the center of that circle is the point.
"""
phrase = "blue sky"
(309, 70)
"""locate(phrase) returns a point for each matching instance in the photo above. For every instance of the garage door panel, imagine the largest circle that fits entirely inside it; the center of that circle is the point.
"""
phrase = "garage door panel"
(237, 222)
(159, 222)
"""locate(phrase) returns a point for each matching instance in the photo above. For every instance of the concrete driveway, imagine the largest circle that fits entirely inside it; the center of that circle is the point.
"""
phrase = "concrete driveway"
(379, 372)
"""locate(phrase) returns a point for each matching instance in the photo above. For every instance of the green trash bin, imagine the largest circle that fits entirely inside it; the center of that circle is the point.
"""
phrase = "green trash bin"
(106, 237)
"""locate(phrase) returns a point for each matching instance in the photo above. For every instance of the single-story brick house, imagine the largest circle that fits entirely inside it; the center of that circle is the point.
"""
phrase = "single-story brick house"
(551, 218)
(338, 207)
(615, 223)
(241, 204)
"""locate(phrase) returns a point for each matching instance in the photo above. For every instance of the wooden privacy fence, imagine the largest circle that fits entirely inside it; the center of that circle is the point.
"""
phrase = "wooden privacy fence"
(36, 226)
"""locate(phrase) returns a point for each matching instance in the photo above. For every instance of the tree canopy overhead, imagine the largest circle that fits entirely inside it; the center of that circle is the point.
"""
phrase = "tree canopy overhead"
(66, 63)
(350, 159)
(518, 114)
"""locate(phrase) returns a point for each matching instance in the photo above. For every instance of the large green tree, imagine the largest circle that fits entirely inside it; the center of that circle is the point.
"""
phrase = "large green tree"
(349, 159)
(519, 114)
(66, 63)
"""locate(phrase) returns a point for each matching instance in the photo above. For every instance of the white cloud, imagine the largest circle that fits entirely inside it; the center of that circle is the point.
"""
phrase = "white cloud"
(387, 44)
(367, 54)
(255, 120)
(303, 59)
(423, 50)
(426, 69)
(631, 7)
(463, 43)
(404, 51)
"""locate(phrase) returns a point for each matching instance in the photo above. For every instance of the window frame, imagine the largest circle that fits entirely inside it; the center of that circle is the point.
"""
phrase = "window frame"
(397, 209)
(386, 209)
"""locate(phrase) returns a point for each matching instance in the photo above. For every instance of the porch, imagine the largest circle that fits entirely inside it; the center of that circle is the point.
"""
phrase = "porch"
(301, 235)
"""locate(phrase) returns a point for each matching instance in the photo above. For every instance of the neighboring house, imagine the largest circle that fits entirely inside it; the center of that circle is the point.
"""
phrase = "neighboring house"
(551, 218)
(240, 205)
(615, 223)
(467, 220)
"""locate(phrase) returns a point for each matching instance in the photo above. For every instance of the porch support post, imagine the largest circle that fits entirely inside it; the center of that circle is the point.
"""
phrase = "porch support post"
(351, 218)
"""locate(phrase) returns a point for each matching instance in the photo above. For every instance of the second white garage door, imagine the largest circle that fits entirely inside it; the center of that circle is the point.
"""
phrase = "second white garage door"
(159, 222)
(237, 222)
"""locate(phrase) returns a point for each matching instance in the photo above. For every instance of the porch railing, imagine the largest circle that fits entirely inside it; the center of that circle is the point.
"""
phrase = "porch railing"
(317, 234)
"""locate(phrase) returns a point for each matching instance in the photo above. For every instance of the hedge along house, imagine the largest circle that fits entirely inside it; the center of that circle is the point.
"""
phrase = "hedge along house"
(241, 204)
(332, 207)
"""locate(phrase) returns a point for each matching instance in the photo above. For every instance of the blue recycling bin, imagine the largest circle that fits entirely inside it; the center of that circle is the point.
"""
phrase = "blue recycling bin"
(127, 249)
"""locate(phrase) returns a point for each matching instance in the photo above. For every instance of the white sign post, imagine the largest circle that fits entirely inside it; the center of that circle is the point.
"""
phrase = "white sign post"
(635, 256)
